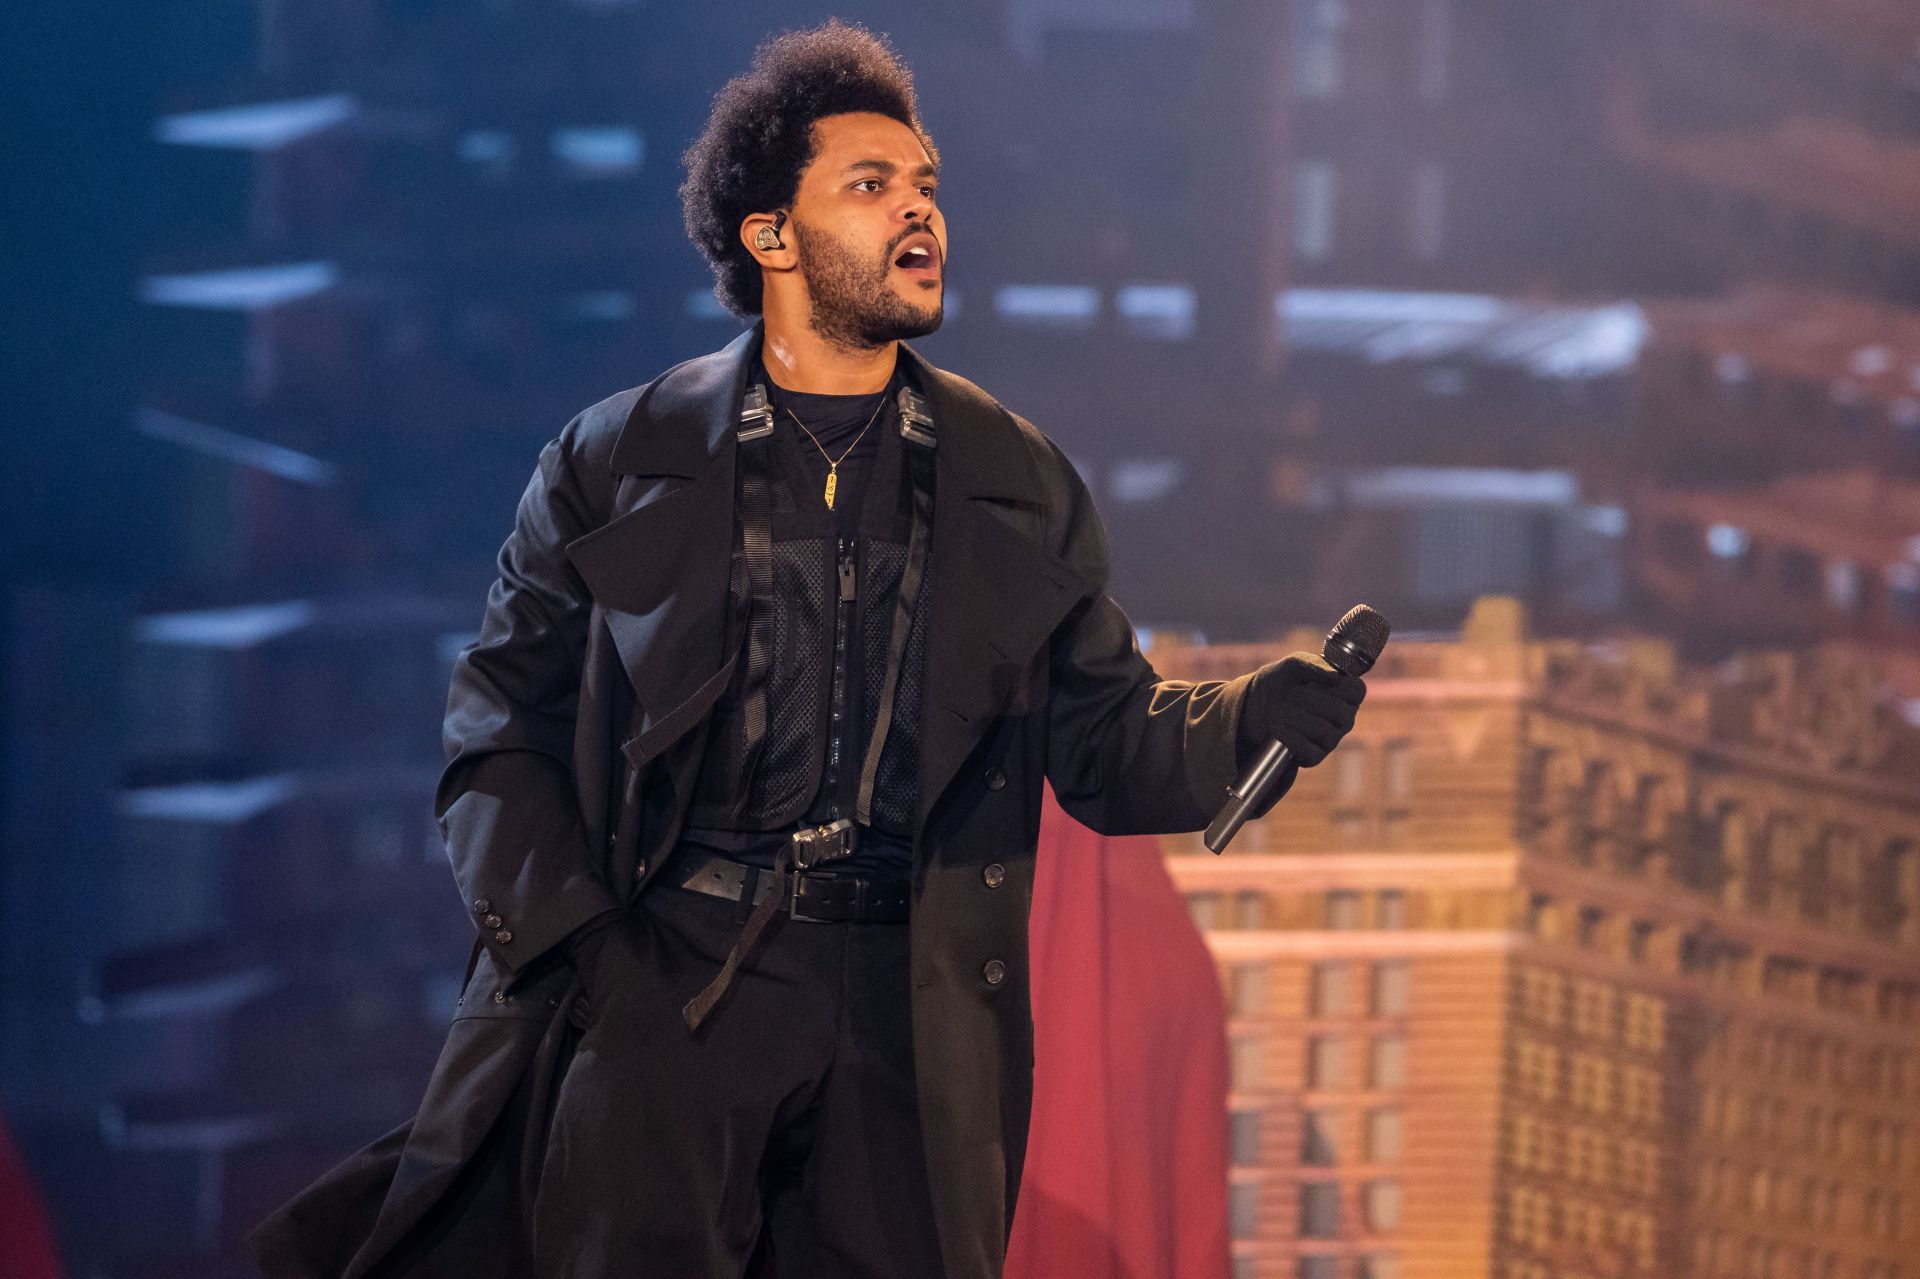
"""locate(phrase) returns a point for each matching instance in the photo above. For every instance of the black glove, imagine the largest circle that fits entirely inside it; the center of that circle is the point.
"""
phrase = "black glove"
(1302, 701)
(584, 945)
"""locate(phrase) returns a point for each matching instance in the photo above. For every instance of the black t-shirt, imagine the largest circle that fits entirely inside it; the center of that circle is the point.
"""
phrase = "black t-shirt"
(837, 422)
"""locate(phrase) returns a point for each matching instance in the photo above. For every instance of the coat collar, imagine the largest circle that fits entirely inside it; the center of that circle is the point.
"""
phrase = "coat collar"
(686, 421)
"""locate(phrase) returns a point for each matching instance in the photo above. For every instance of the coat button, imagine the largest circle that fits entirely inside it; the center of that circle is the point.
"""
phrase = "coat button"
(995, 972)
(996, 778)
(994, 875)
(482, 905)
(504, 936)
(499, 996)
(493, 921)
(640, 870)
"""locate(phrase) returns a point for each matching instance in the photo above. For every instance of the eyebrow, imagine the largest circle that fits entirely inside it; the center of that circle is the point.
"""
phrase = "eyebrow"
(887, 168)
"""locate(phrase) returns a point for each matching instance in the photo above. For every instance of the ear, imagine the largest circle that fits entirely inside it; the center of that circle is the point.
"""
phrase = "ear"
(766, 239)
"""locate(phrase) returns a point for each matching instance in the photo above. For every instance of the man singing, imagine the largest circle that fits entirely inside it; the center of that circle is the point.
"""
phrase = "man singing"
(746, 768)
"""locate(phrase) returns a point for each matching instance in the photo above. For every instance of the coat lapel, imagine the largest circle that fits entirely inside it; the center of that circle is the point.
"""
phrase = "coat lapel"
(658, 567)
(997, 593)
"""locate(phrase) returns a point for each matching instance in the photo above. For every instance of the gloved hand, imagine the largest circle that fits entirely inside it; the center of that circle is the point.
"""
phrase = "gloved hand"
(584, 945)
(1304, 702)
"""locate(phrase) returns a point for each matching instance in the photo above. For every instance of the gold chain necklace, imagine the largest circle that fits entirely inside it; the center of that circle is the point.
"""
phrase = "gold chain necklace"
(833, 465)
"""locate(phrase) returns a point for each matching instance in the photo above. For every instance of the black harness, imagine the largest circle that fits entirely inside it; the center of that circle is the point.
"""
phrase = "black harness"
(752, 604)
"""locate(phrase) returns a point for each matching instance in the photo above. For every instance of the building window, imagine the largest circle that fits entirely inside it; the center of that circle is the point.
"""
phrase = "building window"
(1326, 1062)
(1332, 988)
(1386, 1133)
(1640, 1095)
(1429, 211)
(1436, 47)
(1319, 28)
(1800, 572)
(1315, 200)
(1249, 909)
(1392, 909)
(1247, 990)
(1592, 1083)
(1246, 1063)
(1396, 770)
(1204, 910)
(1319, 1268)
(1593, 1009)
(1845, 586)
(1243, 1209)
(1391, 979)
(1343, 909)
(1350, 774)
(1383, 1206)
(1243, 1138)
(1389, 1061)
(1379, 1265)
(1540, 1070)
(1903, 593)
(1320, 1138)
(594, 151)
(1319, 1210)
(1646, 1023)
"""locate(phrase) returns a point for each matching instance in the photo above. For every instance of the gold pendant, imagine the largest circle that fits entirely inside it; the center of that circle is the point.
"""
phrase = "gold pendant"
(833, 482)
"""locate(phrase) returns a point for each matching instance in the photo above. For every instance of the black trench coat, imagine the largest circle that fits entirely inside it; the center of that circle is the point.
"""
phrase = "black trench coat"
(574, 726)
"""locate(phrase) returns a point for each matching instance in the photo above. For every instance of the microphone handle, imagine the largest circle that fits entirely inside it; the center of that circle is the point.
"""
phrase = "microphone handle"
(1244, 798)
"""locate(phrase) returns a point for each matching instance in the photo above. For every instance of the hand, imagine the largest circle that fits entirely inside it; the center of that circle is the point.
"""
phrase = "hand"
(584, 945)
(1304, 702)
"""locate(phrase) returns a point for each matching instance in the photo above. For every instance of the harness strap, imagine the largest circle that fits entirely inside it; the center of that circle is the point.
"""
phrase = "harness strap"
(916, 427)
(756, 566)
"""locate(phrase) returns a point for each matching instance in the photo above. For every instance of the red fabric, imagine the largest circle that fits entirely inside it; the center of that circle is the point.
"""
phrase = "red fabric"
(26, 1240)
(1126, 1173)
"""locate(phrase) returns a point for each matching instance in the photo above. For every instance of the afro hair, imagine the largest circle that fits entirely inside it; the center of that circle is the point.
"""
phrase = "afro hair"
(759, 138)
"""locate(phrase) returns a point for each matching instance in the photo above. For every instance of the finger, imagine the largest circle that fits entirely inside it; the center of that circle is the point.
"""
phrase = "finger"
(1327, 707)
(1309, 738)
(1304, 752)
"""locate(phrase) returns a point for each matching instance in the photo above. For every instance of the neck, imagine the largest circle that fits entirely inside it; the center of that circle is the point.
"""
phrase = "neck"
(799, 359)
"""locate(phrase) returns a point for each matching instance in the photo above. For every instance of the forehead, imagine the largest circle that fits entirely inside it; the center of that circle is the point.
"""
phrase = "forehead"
(849, 138)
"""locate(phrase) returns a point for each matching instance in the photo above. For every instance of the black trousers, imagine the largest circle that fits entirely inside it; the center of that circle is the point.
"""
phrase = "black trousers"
(789, 1122)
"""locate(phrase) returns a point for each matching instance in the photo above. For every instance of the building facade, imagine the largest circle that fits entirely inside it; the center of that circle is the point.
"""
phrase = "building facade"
(1577, 963)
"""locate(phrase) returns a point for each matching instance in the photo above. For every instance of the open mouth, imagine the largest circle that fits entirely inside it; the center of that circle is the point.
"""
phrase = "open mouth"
(918, 259)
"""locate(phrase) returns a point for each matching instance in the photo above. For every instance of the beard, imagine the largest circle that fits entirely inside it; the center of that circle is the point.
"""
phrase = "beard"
(850, 299)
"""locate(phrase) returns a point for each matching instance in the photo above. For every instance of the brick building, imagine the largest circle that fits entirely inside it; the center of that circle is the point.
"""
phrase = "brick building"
(1576, 963)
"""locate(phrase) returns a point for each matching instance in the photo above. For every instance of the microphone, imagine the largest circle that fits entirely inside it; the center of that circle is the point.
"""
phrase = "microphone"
(1352, 647)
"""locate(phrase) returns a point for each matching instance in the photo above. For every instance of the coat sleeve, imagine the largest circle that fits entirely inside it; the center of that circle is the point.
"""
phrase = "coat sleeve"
(1130, 753)
(506, 800)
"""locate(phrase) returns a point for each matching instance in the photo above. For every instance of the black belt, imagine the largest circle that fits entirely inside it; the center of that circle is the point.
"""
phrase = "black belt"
(822, 896)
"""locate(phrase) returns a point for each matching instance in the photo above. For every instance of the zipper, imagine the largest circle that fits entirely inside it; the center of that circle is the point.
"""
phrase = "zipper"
(846, 574)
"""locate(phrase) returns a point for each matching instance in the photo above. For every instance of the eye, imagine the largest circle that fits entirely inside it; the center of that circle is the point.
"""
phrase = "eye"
(929, 191)
(865, 182)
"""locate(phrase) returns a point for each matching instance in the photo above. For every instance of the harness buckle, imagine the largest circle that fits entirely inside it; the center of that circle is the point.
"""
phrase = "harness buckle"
(756, 415)
(817, 845)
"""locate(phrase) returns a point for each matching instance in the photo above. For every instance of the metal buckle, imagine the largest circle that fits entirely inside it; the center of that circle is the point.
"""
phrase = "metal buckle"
(818, 845)
(916, 422)
(756, 415)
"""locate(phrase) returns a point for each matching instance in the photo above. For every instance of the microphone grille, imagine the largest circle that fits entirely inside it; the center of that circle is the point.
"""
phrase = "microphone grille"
(1357, 639)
